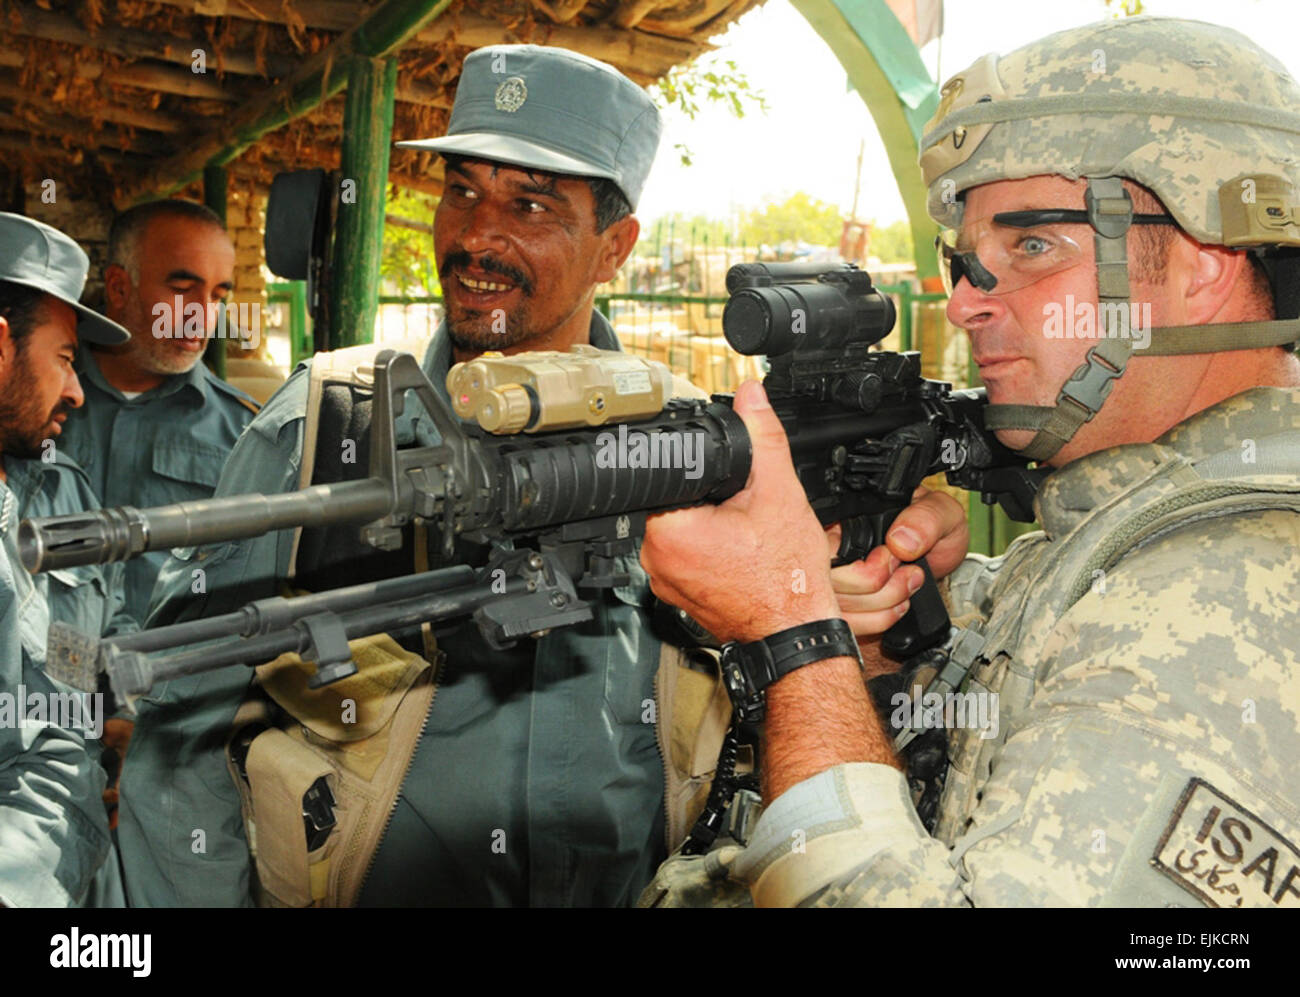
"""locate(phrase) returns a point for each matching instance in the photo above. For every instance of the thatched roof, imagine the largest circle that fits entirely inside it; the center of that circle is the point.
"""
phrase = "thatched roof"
(105, 96)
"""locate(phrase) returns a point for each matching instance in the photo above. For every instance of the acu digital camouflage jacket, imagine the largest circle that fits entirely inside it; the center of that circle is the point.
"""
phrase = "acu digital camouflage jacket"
(1145, 657)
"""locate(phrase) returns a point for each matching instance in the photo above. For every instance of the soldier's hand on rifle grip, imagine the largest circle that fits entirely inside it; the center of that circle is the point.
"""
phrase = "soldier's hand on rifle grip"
(751, 566)
(875, 592)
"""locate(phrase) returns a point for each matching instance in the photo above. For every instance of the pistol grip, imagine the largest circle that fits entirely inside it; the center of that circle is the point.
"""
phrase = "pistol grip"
(925, 624)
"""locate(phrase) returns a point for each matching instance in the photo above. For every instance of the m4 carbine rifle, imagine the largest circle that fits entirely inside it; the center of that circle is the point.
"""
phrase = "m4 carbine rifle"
(567, 457)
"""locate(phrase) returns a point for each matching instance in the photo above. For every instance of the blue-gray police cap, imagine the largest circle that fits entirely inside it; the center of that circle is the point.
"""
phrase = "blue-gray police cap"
(552, 109)
(43, 258)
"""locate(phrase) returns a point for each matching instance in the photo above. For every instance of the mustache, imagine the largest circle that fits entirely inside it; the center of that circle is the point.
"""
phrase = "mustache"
(458, 259)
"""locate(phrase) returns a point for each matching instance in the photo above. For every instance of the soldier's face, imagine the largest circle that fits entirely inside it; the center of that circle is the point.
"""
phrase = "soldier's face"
(186, 269)
(519, 256)
(1026, 342)
(37, 383)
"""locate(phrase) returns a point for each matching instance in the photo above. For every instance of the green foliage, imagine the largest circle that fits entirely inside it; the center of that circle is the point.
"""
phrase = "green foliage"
(797, 218)
(892, 243)
(689, 230)
(1125, 8)
(711, 79)
(407, 265)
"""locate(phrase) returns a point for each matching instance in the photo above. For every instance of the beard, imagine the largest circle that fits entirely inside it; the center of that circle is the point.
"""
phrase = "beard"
(157, 357)
(22, 423)
(148, 353)
(478, 331)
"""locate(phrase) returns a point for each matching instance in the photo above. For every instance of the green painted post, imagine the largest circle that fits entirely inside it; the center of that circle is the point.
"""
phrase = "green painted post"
(294, 295)
(214, 190)
(359, 234)
(905, 318)
(214, 196)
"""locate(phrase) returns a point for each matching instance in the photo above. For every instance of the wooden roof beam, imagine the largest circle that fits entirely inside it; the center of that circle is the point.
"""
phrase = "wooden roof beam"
(140, 76)
(417, 92)
(649, 55)
(685, 25)
(26, 142)
(132, 43)
(131, 116)
(474, 30)
(386, 29)
(630, 13)
(65, 126)
(562, 12)
(324, 15)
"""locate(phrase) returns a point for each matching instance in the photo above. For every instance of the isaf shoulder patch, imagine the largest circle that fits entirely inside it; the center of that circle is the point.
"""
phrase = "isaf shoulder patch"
(1223, 854)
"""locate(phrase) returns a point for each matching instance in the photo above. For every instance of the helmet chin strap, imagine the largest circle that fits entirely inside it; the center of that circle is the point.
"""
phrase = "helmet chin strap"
(1110, 212)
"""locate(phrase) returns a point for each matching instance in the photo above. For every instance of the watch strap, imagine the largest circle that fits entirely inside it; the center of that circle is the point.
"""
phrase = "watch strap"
(749, 669)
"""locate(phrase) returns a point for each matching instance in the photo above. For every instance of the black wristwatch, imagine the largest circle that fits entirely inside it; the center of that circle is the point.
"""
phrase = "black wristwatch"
(748, 669)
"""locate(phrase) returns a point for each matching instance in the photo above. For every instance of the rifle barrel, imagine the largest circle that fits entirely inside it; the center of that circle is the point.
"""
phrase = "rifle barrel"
(105, 535)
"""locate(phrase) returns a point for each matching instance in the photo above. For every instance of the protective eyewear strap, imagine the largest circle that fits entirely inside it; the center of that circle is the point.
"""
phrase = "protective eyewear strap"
(1110, 212)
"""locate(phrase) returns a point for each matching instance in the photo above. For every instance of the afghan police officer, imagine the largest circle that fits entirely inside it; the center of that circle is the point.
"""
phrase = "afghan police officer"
(90, 598)
(1133, 667)
(53, 833)
(157, 425)
(535, 775)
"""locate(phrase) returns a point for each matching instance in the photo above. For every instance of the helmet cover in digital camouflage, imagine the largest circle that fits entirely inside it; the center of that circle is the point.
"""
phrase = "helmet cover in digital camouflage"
(1181, 107)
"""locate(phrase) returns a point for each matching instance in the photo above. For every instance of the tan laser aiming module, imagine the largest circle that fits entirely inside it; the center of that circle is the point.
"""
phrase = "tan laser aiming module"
(535, 392)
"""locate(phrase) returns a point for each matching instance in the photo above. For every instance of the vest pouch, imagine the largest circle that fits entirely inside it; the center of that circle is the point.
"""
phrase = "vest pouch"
(694, 716)
(357, 734)
(281, 771)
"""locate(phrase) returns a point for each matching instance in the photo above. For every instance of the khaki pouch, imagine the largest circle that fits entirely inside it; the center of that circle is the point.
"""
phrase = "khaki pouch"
(694, 715)
(360, 734)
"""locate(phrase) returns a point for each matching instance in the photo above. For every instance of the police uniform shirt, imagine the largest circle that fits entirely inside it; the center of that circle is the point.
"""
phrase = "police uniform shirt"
(53, 829)
(89, 597)
(165, 445)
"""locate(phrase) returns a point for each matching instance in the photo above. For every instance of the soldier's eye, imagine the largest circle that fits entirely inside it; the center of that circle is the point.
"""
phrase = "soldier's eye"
(1033, 245)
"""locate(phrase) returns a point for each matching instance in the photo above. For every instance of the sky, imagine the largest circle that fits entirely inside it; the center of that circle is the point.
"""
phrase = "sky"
(809, 138)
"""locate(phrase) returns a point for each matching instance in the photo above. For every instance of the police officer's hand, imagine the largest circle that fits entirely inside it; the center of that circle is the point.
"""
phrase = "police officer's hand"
(755, 564)
(873, 593)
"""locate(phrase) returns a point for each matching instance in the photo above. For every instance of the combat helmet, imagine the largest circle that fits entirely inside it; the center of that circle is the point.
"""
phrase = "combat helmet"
(1197, 113)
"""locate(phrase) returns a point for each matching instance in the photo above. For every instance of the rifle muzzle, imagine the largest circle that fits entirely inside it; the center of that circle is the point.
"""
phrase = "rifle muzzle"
(107, 535)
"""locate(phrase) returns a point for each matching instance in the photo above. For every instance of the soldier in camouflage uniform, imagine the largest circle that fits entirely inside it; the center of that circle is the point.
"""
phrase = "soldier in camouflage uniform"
(1141, 651)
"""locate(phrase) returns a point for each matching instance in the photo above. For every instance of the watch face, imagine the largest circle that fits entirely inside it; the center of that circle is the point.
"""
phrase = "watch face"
(746, 697)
